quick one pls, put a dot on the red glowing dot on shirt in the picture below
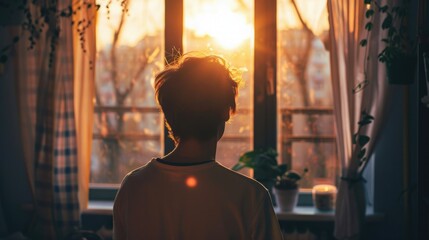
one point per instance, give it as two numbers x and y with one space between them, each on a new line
191 182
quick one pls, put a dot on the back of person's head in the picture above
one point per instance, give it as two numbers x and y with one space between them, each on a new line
197 94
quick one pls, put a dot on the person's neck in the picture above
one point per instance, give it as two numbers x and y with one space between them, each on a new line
192 151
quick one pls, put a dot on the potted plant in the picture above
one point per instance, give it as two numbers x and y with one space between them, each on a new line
399 52
268 172
286 189
265 166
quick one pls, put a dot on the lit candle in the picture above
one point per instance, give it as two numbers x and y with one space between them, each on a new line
324 197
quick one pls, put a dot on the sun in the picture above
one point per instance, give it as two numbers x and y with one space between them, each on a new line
229 29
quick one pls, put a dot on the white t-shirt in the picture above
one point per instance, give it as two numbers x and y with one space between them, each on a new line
205 201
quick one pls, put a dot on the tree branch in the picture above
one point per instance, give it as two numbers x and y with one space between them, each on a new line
116 35
304 24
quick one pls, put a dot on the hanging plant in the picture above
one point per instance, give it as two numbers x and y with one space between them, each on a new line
360 140
399 52
39 16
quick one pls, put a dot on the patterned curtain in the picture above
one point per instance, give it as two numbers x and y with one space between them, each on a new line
56 183
47 90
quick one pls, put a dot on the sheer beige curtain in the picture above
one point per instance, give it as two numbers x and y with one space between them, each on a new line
347 23
84 77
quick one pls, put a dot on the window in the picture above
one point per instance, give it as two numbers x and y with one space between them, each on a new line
285 101
226 28
127 122
306 134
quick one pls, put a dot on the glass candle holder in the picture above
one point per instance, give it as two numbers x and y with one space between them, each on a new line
324 197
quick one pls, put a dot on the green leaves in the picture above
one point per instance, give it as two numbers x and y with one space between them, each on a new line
364 122
238 166
369 13
394 21
384 8
365 119
360 86
361 140
264 162
387 22
293 175
282 168
361 153
368 26
5 49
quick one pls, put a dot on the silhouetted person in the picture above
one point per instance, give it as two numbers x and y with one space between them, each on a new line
187 194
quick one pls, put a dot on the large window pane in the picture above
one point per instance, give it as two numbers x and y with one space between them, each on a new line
127 126
131 154
226 28
304 96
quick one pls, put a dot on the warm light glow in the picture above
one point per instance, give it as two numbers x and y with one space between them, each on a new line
324 188
191 182
142 18
324 197
313 12
228 26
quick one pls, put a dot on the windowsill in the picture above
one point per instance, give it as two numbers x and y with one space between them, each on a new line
99 207
300 213
310 213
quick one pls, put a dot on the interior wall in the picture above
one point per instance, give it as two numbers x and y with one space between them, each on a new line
389 187
414 158
388 173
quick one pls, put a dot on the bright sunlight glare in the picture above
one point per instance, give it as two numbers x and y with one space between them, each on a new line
227 27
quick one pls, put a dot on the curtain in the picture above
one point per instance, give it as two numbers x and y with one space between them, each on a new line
56 186
84 64
55 85
347 21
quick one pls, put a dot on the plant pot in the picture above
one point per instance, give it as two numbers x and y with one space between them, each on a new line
286 199
401 69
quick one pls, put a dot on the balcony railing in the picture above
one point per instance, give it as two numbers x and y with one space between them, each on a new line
139 136
288 137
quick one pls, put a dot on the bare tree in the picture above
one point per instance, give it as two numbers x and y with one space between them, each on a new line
299 64
120 77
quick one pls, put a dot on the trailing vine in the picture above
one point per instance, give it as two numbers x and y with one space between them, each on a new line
397 43
39 16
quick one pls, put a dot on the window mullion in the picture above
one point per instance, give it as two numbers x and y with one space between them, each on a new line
265 53
173 45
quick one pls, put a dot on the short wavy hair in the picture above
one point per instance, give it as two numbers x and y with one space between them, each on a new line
196 95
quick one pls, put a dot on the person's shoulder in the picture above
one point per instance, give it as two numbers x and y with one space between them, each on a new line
137 173
236 178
